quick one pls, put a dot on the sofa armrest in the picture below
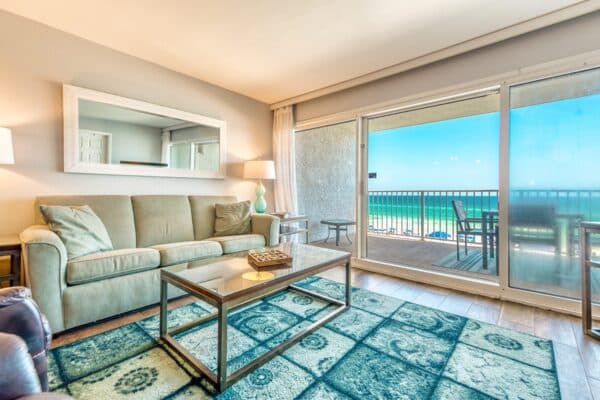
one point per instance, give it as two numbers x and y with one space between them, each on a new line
45 262
20 315
17 373
268 226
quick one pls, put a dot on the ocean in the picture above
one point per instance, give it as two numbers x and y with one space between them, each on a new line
412 213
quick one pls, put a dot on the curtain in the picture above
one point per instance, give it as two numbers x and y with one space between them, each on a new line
284 155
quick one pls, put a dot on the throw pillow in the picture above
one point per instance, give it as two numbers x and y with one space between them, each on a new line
79 228
233 218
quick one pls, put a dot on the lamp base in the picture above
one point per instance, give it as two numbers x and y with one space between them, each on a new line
260 206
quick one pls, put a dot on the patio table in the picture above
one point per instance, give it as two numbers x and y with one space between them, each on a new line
337 225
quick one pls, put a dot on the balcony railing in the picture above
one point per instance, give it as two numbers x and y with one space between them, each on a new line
428 214
424 213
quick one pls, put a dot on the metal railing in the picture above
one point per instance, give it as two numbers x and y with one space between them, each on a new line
425 213
584 202
428 214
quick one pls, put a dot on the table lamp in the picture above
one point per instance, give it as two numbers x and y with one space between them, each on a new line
6 148
260 170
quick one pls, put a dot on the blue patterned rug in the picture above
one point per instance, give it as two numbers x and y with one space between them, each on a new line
382 348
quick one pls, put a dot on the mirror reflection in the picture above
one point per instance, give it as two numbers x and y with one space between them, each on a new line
110 134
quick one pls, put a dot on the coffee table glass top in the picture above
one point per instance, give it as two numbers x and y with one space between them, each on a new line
231 274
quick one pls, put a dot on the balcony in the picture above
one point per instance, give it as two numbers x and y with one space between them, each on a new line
423 227
418 228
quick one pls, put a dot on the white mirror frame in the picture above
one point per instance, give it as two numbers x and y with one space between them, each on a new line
71 97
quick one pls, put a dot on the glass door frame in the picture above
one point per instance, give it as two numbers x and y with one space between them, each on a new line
473 284
500 288
448 100
538 299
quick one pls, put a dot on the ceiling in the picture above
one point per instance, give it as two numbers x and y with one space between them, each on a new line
272 50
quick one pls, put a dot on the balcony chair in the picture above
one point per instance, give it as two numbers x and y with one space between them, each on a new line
463 227
540 223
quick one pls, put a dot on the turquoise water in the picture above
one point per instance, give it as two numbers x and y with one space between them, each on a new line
400 212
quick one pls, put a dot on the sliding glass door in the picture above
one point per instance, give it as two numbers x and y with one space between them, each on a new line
554 153
491 184
433 186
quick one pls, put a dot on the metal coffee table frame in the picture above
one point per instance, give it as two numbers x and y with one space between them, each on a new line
225 304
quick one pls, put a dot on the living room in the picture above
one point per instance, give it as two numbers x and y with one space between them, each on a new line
298 200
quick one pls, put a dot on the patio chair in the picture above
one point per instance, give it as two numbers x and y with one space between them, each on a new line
541 223
463 227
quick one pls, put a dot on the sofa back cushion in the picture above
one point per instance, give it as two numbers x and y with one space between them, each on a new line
233 218
203 214
115 212
79 228
162 219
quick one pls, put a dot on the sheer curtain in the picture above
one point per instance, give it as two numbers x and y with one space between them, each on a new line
285 160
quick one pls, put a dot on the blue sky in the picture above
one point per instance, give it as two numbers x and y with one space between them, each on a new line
556 145
460 153
552 145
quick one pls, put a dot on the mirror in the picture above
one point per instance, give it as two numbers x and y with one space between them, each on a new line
109 134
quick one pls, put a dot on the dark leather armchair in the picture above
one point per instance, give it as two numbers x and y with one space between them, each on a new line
24 340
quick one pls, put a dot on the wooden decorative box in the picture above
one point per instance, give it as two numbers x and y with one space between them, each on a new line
267 258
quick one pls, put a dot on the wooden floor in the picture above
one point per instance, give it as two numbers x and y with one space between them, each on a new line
535 267
405 251
577 355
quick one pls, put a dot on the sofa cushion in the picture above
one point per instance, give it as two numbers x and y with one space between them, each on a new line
94 301
176 253
115 212
79 228
108 264
235 243
233 218
203 214
162 219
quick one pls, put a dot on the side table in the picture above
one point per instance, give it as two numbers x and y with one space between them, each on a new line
10 245
286 230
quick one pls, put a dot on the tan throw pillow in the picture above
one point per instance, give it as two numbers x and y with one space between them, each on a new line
233 218
79 228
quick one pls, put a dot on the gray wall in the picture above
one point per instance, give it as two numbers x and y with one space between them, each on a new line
36 60
566 39
130 142
325 170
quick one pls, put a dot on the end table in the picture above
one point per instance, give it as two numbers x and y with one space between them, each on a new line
286 230
10 245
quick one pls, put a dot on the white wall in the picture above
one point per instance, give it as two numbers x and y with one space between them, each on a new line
563 40
36 60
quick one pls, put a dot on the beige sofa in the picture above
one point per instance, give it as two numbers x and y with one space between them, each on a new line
148 233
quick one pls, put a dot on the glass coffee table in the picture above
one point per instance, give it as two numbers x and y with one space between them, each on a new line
229 282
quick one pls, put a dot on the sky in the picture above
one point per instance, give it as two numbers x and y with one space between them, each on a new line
552 146
460 153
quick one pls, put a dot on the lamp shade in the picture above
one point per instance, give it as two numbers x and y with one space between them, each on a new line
259 170
6 147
